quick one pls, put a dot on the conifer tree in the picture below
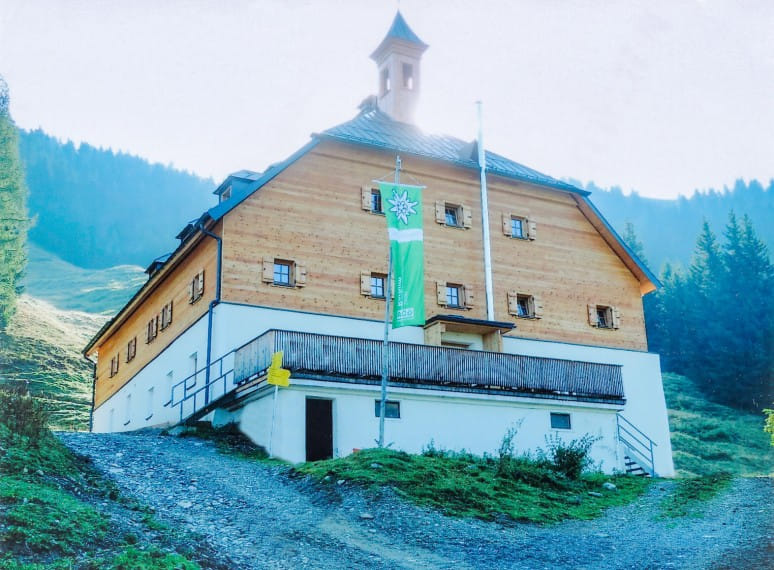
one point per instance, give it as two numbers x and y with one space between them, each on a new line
13 212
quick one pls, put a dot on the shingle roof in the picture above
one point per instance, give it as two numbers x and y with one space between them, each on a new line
375 128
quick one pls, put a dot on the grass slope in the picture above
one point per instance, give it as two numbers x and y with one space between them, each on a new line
41 348
469 486
72 288
709 437
54 508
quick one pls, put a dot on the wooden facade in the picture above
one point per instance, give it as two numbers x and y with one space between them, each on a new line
313 214
169 289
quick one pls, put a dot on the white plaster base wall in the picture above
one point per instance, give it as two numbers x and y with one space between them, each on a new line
643 387
134 406
473 422
235 325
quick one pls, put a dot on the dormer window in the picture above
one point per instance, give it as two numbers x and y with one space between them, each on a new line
408 76
385 81
226 194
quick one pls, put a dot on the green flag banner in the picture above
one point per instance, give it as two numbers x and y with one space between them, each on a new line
402 205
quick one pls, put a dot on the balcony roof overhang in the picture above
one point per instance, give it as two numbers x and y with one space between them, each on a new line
458 323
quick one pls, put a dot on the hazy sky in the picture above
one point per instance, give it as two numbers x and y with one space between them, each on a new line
660 96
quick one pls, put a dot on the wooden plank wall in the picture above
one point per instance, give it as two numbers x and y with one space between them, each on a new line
311 213
173 287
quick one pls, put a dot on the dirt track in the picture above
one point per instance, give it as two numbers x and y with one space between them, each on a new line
254 516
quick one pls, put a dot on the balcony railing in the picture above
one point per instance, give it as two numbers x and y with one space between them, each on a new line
340 358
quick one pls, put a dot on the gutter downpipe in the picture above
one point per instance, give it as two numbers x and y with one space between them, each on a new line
213 304
93 391
485 217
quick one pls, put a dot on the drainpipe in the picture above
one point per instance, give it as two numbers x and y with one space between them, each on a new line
93 391
213 303
485 217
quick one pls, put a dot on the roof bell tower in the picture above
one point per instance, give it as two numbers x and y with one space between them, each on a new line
398 58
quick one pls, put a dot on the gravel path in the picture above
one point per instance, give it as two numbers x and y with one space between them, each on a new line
253 515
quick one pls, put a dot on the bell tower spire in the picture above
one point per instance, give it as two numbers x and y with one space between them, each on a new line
397 59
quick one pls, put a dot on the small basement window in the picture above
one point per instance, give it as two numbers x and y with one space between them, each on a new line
560 421
391 409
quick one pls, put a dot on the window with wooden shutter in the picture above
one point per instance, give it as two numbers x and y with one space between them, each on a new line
440 211
469 297
537 307
467 216
131 349
114 364
440 291
531 228
593 315
365 198
200 284
196 287
616 314
300 275
166 315
152 329
513 303
267 273
192 290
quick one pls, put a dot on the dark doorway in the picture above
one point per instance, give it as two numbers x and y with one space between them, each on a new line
319 429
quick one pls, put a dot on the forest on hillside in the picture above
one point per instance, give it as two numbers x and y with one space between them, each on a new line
96 208
668 228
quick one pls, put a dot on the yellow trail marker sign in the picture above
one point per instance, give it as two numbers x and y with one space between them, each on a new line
278 376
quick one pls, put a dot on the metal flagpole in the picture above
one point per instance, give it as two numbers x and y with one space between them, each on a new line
485 218
385 347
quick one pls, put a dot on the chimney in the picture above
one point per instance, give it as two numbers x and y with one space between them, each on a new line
397 59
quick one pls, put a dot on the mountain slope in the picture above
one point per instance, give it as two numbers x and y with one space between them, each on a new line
41 348
95 208
72 288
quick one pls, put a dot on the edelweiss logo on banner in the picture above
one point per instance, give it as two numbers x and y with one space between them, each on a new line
402 207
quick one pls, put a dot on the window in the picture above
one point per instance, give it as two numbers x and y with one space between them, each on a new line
149 414
377 285
391 409
408 76
371 200
376 202
519 226
560 421
283 273
385 81
114 365
131 349
454 295
166 315
196 287
524 306
604 316
152 329
452 215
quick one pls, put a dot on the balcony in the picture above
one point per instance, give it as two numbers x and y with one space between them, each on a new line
356 360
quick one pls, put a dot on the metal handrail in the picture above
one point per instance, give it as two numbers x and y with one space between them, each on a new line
645 449
195 375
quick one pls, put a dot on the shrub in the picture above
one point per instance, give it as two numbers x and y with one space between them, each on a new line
769 425
569 459
23 415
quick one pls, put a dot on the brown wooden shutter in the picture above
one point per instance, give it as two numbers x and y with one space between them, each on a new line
440 211
506 223
200 284
531 228
365 283
169 313
268 270
191 290
616 317
440 291
467 217
365 198
470 296
537 307
513 303
593 319
300 275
